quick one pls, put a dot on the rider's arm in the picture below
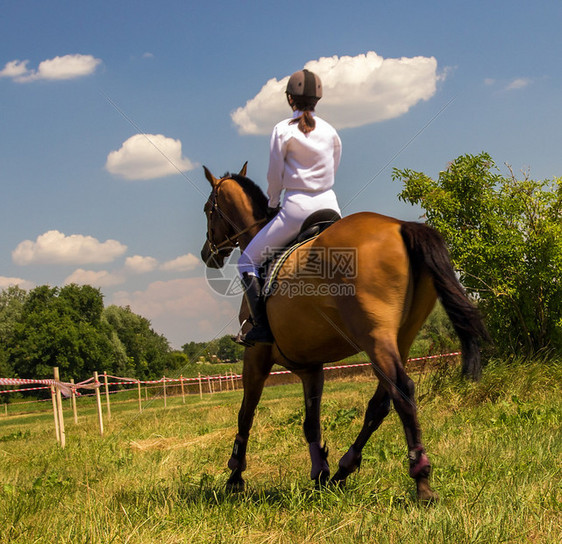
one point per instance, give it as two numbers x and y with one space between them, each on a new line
276 169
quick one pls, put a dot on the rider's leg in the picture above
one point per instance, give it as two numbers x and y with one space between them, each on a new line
260 332
276 234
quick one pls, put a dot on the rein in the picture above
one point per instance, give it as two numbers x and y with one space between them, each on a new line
230 242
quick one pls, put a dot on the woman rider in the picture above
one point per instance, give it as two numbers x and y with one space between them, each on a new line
305 153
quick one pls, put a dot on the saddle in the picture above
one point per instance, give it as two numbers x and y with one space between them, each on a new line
313 225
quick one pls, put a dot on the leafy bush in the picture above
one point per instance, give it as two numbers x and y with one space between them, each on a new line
505 239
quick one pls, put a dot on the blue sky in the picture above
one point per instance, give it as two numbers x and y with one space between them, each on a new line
120 79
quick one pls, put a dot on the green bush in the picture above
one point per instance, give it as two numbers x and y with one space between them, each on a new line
505 240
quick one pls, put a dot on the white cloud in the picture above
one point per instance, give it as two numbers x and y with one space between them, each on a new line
15 69
186 309
57 68
140 265
143 265
262 112
185 263
100 278
357 91
148 156
55 247
518 83
6 282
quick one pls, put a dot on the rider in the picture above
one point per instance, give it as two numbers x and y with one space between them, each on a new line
305 153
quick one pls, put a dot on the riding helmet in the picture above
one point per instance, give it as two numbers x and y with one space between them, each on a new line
304 83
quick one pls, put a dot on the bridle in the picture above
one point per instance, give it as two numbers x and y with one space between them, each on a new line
229 242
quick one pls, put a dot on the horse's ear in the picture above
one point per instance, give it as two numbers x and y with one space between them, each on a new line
212 179
244 168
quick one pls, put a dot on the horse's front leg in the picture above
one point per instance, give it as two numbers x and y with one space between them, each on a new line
313 385
257 366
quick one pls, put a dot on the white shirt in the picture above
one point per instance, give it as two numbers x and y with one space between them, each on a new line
302 162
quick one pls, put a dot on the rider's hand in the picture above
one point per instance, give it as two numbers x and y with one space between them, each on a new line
272 212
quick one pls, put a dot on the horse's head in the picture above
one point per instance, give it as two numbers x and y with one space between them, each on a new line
222 231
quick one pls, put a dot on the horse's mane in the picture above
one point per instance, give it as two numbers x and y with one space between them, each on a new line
253 191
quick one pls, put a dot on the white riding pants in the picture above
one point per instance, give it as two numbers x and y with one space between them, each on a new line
284 227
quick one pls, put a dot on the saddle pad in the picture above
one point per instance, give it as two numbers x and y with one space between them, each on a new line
275 266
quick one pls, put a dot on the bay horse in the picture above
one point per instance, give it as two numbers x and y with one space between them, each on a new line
399 270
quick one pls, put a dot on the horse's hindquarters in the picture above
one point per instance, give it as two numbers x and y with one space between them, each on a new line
336 293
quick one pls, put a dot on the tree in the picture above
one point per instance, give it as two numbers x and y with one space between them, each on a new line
223 348
194 350
84 303
176 364
227 350
68 327
505 239
11 304
61 327
147 351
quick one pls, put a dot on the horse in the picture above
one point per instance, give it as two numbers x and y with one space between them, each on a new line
374 302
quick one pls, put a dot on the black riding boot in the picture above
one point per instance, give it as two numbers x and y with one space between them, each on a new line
259 333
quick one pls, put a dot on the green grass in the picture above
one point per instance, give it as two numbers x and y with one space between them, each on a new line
159 476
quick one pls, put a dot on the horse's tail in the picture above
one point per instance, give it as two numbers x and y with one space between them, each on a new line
427 249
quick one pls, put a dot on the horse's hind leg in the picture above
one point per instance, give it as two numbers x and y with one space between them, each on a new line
401 389
377 410
422 305
257 366
395 385
313 384
405 404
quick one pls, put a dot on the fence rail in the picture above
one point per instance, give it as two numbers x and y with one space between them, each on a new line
183 386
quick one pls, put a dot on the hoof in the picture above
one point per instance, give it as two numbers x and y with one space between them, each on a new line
425 493
235 483
339 479
428 497
320 470
348 464
322 480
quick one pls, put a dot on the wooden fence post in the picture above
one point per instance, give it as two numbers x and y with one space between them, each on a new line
107 396
55 413
74 411
200 387
59 409
98 401
140 395
164 382
182 389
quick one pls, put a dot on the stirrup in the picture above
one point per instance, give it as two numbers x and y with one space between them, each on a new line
256 336
240 338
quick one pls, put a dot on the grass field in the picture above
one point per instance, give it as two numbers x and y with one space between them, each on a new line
159 476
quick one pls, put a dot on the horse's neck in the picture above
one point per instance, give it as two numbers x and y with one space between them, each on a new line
251 228
246 217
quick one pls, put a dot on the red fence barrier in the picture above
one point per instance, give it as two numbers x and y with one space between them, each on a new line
57 387
67 388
